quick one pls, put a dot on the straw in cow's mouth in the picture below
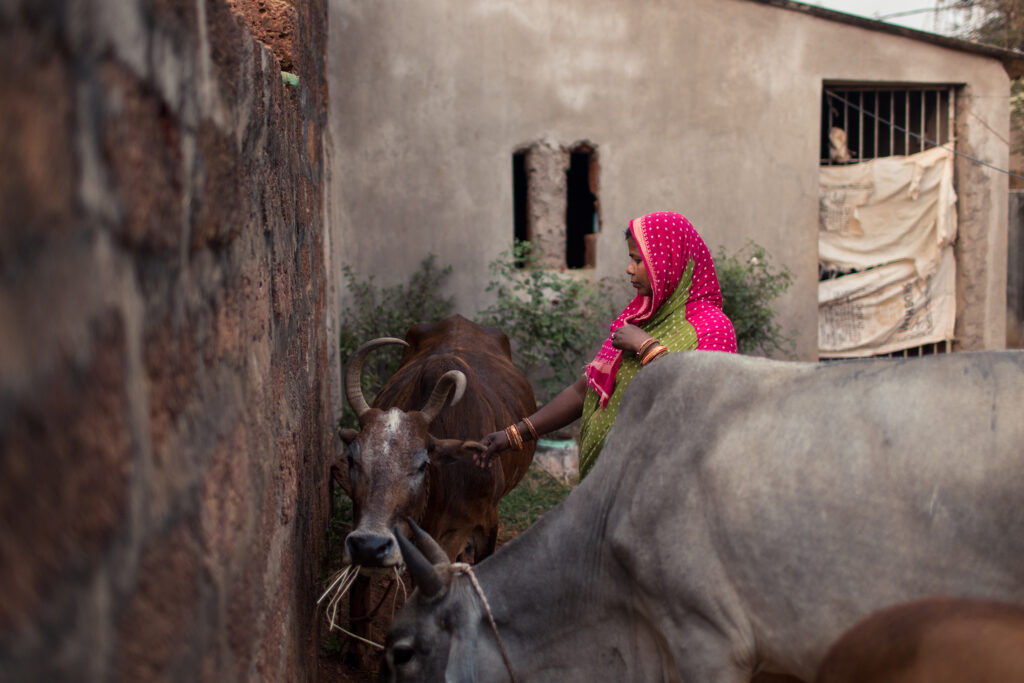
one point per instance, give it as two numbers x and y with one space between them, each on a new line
340 583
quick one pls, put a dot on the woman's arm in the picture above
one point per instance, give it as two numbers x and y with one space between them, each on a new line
560 411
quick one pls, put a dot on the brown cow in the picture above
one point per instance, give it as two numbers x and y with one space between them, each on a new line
939 640
411 461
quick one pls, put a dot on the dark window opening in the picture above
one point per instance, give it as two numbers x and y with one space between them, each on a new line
519 196
580 210
519 201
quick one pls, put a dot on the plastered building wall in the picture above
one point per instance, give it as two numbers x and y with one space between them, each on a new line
707 107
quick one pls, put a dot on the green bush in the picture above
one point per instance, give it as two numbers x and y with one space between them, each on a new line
556 321
750 284
389 312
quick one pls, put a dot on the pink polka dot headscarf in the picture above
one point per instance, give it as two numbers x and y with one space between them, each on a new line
667 242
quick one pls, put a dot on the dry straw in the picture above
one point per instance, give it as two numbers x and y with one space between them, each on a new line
338 586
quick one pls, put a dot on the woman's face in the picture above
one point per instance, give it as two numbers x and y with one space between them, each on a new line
637 270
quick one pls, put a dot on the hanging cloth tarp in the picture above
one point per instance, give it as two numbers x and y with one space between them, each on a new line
892 221
886 309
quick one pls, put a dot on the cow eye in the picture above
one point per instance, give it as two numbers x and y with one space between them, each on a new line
351 454
402 654
422 459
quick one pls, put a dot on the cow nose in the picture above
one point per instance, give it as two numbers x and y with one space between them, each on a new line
369 551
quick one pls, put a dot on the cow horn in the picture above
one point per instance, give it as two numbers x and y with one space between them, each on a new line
427 544
440 395
353 389
426 576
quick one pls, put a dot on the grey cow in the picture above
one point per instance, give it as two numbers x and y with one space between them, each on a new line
743 514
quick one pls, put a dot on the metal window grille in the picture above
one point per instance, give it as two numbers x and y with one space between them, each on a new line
880 122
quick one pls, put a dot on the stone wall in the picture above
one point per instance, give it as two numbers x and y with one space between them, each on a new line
167 379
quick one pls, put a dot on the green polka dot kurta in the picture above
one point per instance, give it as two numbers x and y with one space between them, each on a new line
670 327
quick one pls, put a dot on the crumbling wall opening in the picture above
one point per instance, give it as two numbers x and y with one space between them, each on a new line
555 202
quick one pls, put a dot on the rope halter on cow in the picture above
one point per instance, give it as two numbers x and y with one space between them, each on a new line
463 568
421 558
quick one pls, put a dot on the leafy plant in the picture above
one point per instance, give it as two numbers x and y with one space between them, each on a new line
389 312
555 320
750 284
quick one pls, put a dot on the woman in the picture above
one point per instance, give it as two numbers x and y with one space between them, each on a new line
678 307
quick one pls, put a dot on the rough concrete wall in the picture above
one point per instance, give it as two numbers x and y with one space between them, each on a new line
1015 274
708 107
165 410
980 247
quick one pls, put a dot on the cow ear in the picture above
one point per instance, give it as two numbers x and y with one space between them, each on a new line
348 435
445 451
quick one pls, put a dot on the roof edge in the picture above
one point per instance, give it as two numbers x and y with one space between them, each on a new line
1012 61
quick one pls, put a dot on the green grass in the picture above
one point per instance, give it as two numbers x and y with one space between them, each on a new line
537 493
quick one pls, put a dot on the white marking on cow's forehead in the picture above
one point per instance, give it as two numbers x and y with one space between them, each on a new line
393 418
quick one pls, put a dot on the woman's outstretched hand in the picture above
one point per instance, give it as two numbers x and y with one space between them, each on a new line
494 443
629 338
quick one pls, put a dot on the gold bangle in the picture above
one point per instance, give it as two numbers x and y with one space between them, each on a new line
645 358
646 345
533 430
514 437
655 352
655 356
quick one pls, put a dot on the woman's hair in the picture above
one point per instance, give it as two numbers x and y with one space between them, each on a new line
629 235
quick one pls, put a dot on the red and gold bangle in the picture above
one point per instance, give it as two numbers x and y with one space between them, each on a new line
654 354
515 439
646 345
655 351
519 437
533 430
509 437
